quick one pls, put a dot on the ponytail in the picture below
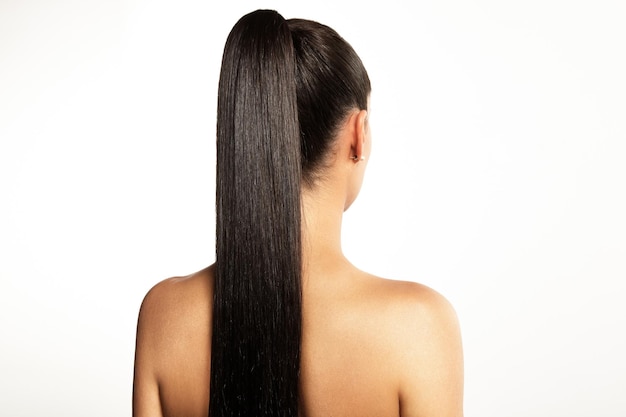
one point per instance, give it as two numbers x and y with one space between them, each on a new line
257 320
285 87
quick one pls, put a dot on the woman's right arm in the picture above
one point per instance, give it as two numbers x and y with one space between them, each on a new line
431 382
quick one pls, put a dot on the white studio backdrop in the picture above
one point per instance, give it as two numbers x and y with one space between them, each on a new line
497 177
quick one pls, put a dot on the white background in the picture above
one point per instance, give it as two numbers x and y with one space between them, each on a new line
498 177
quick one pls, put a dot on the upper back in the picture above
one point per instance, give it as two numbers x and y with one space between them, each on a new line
370 347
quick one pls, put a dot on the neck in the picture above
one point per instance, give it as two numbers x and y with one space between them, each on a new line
322 213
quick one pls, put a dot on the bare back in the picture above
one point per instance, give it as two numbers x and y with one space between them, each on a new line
370 347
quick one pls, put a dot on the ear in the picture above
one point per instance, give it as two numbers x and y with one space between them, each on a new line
359 129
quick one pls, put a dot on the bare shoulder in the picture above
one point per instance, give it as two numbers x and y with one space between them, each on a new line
412 293
419 307
174 308
173 330
174 295
174 303
425 331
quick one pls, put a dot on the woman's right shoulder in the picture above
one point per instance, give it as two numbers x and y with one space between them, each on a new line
416 304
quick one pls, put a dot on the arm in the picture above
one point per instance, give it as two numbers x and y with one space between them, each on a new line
431 383
172 358
146 401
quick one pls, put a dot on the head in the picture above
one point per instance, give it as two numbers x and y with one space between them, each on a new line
331 85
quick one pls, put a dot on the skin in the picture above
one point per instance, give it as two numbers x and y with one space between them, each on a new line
370 346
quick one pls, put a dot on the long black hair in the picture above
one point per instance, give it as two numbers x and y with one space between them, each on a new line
284 88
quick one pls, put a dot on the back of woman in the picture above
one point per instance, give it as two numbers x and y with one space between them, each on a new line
282 324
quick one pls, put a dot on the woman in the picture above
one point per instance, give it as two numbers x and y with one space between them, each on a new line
282 324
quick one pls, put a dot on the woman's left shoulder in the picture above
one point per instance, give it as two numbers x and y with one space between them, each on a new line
174 301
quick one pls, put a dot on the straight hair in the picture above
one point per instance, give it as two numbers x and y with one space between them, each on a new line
284 87
255 351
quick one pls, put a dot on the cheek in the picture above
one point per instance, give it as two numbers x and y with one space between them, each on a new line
355 183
